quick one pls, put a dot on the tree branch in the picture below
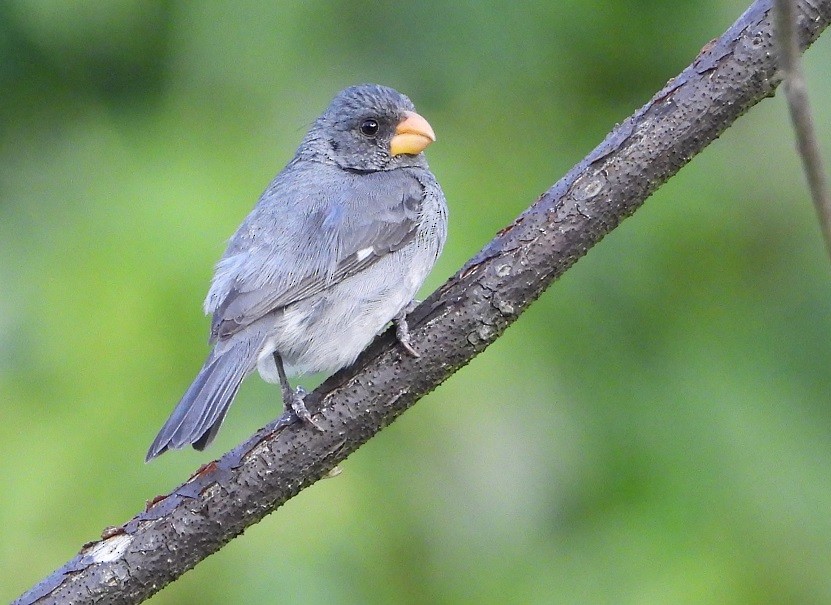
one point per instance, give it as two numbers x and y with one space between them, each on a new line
456 323
796 91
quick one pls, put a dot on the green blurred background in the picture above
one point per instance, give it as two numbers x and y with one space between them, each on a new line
656 429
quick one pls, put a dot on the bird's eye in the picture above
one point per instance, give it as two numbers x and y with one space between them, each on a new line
369 127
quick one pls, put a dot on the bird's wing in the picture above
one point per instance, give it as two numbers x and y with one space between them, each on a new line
295 245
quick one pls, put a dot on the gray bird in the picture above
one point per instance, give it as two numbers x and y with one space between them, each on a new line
334 250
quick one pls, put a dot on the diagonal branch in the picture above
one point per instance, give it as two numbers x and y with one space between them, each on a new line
796 91
456 323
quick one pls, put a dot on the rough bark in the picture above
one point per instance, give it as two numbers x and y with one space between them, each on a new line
456 323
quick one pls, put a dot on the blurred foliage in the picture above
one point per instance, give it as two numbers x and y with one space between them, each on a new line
656 429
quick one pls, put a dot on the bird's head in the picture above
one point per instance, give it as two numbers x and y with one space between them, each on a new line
369 128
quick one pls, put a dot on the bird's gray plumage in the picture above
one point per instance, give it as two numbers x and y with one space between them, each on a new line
338 244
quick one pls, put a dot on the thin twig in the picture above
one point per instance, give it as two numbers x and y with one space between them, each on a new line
796 92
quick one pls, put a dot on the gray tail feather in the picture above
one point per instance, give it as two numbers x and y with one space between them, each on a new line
197 417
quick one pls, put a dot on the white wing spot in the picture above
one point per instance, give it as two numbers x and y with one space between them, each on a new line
362 254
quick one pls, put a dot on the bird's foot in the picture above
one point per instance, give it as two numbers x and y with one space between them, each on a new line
293 400
402 329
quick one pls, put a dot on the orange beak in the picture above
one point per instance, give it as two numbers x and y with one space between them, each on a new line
412 135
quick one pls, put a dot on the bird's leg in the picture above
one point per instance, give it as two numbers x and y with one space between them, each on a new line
293 399
402 330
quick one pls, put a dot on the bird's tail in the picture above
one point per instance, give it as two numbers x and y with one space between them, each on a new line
198 416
